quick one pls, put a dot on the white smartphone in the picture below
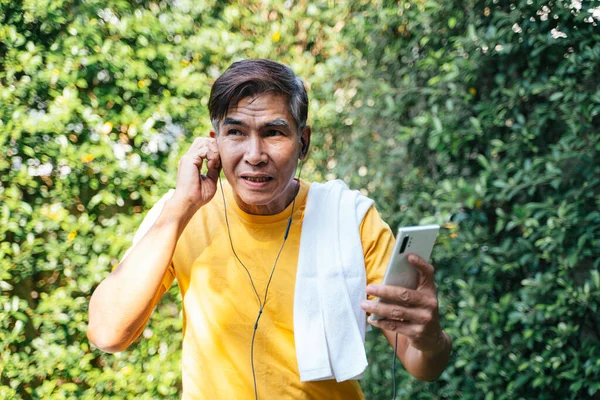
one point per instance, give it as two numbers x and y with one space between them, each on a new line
410 240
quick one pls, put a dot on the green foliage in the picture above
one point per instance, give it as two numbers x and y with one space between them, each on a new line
483 117
478 115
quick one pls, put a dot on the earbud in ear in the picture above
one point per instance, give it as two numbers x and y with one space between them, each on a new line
304 147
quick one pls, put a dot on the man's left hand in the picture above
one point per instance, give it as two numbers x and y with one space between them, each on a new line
412 313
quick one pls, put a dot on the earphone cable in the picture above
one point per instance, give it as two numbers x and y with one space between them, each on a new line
394 368
262 303
287 230
233 249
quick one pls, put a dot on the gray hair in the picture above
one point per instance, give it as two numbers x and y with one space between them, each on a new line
253 77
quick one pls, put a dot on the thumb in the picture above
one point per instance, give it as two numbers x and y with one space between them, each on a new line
213 165
426 271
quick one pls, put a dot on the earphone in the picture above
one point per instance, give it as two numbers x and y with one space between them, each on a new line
262 302
304 147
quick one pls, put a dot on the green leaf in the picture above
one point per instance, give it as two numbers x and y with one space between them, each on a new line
69 387
595 275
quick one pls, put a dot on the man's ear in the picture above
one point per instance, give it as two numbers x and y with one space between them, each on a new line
213 134
305 141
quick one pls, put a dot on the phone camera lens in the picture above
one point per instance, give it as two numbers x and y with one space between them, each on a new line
404 244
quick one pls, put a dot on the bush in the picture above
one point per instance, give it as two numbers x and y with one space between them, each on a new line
480 116
99 100
483 117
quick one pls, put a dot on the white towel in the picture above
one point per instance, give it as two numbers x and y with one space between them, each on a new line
329 325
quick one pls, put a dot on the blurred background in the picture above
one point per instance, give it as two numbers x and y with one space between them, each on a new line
481 116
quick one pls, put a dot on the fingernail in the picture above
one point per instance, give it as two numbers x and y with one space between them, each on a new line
364 303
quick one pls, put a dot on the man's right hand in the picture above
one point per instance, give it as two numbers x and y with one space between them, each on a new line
194 189
123 302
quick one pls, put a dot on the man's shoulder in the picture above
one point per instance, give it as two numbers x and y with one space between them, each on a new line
334 186
336 195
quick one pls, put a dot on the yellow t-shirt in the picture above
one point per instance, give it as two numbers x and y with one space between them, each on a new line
220 306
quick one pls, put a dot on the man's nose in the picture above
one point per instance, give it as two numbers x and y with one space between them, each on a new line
255 151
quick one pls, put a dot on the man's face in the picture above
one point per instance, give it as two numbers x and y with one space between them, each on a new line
259 148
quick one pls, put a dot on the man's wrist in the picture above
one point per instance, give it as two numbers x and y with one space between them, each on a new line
175 212
441 345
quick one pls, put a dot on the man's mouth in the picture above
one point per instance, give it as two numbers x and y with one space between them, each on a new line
257 178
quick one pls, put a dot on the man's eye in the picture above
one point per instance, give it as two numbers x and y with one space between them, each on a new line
234 132
274 132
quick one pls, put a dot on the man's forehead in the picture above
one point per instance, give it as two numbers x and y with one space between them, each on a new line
273 107
261 100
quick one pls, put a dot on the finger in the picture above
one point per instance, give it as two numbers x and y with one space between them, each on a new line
213 157
396 312
203 152
191 159
198 143
404 296
423 266
214 169
403 327
214 165
199 154
212 143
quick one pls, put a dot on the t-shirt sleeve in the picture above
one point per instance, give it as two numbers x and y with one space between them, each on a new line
378 243
145 226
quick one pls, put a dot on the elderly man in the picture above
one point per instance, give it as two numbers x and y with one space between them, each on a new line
275 294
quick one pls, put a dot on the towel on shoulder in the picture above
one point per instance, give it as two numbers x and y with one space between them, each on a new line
329 325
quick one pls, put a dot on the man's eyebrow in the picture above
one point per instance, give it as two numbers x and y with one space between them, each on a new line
279 122
231 121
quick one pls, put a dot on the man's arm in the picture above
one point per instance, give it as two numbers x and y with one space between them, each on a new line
426 366
423 347
123 302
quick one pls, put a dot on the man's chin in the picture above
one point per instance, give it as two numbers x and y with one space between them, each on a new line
257 199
